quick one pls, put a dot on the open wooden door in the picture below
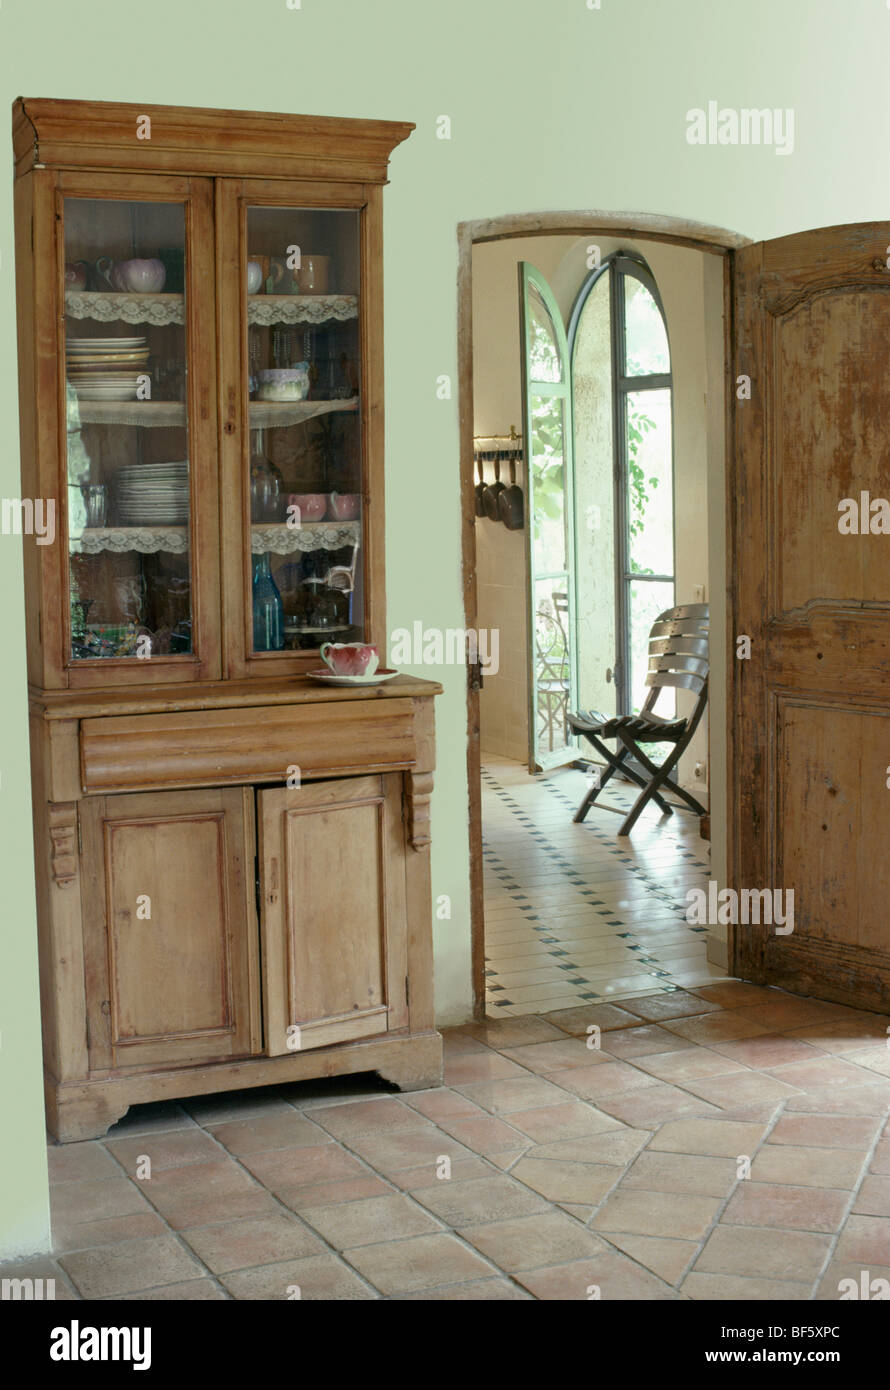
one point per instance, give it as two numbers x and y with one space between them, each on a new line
810 803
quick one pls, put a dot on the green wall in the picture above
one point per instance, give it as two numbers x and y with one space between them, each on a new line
553 106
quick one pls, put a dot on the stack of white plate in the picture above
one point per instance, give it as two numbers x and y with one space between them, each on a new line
106 369
153 494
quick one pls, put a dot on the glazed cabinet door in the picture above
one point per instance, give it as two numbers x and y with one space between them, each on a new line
333 912
299 299
119 426
170 933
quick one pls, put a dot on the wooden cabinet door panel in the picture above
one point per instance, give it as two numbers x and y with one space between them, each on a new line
809 807
170 928
333 911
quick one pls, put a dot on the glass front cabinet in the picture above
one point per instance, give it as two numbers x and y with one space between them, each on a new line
232 855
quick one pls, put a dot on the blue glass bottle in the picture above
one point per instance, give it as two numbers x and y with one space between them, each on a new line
268 613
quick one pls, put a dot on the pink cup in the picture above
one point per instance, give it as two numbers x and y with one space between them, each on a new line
312 505
350 658
344 506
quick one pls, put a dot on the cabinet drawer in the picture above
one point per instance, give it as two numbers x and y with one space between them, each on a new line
213 747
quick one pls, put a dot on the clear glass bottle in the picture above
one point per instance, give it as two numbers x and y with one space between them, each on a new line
268 612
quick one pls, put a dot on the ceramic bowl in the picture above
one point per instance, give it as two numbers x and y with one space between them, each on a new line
312 505
344 506
140 276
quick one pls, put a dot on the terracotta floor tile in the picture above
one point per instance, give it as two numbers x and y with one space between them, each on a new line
880 1159
441 1104
169 1150
709 1029
402 1266
279 1129
734 993
253 1241
368 1222
198 1193
807 1167
720 1138
475 1290
873 1198
522 1093
480 1066
410 1148
196 1290
566 1181
655 1105
780 1015
505 1158
608 1276
615 1148
287 1168
678 1004
573 1120
692 1063
318 1194
531 1241
236 1105
824 1073
485 1135
81 1235
458 1042
874 1059
825 1131
768 1050
74 1202
764 1254
741 1088
319 1277
87 1162
546 1058
865 1238
671 1172
784 1205
870 1099
607 1078
666 1258
726 1288
346 1122
130 1265
603 1016
645 1213
481 1199
647 1040
462 1170
844 1034
515 1032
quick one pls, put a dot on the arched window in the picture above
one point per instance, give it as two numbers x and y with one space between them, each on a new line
624 488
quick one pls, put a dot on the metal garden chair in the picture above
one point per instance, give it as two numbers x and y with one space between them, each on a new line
678 659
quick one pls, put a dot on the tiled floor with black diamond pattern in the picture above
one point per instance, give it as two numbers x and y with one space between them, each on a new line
575 914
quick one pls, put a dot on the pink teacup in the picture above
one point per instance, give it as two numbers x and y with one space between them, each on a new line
311 505
344 506
350 658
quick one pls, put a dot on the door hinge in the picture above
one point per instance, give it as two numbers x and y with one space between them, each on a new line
474 675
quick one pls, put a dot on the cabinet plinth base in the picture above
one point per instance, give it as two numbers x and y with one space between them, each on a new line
87 1109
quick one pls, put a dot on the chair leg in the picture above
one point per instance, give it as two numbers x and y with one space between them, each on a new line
660 775
613 761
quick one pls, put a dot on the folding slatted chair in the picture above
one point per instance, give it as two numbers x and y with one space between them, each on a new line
678 658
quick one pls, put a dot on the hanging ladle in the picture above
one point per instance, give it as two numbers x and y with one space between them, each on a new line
493 491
